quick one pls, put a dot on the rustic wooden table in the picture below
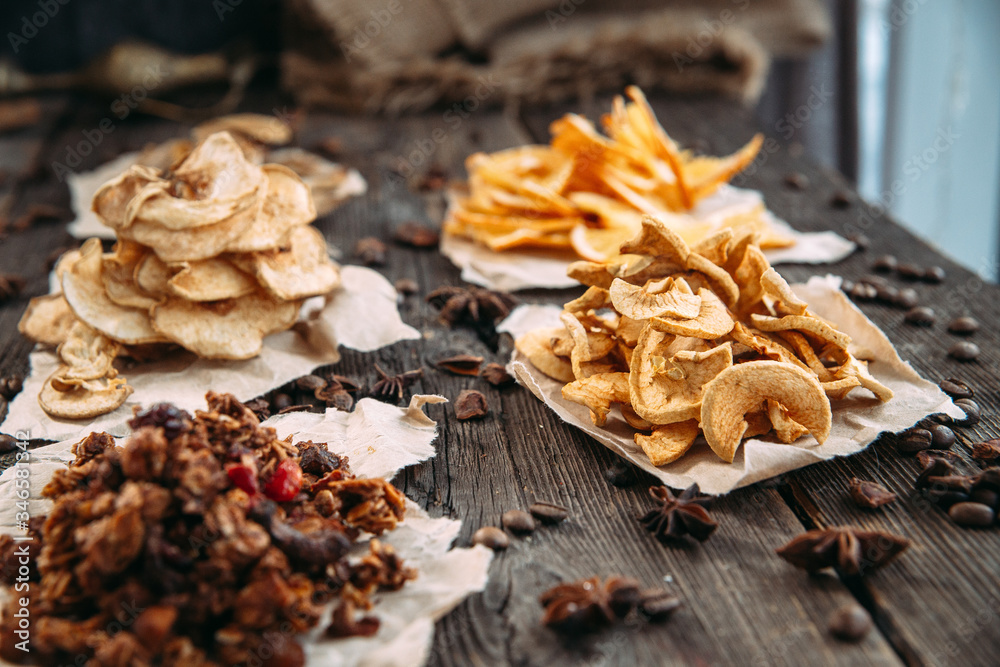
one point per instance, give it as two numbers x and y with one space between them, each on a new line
938 604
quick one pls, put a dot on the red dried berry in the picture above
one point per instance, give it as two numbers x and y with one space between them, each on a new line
243 477
285 483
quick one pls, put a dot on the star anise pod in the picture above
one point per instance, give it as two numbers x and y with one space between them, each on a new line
474 307
389 388
852 551
677 516
588 604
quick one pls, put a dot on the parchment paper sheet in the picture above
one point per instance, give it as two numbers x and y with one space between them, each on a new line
857 420
379 439
362 316
511 271
83 186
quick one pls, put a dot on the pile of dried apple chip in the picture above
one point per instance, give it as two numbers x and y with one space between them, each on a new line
696 340
212 255
587 192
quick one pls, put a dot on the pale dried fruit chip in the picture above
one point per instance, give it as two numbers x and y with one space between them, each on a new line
785 301
84 290
259 127
805 352
715 248
668 442
642 303
87 354
213 279
48 319
765 346
152 275
628 330
189 245
164 157
802 323
302 270
590 348
594 298
591 274
286 205
664 391
111 201
231 329
598 392
633 419
330 184
713 320
741 388
118 271
537 347
83 401
859 369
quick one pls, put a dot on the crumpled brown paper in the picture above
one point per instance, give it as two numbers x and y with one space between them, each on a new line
513 270
857 420
361 315
380 439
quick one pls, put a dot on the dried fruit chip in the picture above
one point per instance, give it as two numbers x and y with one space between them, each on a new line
285 206
806 323
302 270
48 319
84 400
598 392
668 442
648 301
329 183
259 127
741 388
713 320
537 347
213 279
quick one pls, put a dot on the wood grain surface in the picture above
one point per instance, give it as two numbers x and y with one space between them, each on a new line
938 604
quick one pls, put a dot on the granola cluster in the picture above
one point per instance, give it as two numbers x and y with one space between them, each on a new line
205 540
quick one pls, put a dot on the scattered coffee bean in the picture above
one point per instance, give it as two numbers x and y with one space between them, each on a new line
934 275
549 513
796 180
861 241
972 515
874 280
907 298
491 537
11 386
846 286
850 623
407 286
517 521
910 272
963 326
844 199
657 604
496 375
471 404
986 452
972 412
987 497
914 440
885 264
863 292
870 495
8 443
964 351
415 234
460 364
956 388
311 383
921 316
621 474
370 251
281 401
942 437
887 293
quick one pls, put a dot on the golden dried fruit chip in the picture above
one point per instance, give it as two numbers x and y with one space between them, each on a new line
83 401
48 319
668 442
537 347
801 323
213 279
598 392
740 389
713 320
641 303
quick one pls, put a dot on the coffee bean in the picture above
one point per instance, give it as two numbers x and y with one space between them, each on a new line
863 292
657 604
987 497
963 326
885 264
942 437
964 351
914 440
846 286
621 474
8 443
874 280
972 515
956 388
310 383
844 199
491 537
796 181
850 623
517 521
861 241
907 298
281 401
972 412
549 513
934 275
910 272
887 293
11 386
921 316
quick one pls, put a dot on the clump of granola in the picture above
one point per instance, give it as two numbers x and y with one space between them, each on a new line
215 540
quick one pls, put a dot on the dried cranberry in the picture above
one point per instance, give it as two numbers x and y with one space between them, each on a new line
285 483
172 419
243 477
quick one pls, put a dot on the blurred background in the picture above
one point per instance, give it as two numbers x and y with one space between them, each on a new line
901 96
